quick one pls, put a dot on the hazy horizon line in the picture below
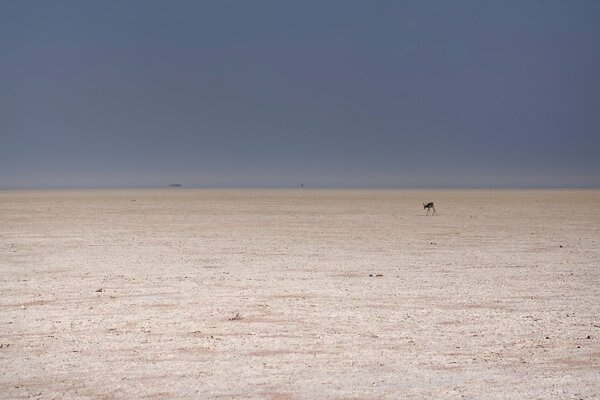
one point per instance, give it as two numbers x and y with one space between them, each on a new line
305 187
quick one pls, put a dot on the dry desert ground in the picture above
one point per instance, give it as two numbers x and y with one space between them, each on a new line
300 294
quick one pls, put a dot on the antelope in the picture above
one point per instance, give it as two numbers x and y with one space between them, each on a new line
429 206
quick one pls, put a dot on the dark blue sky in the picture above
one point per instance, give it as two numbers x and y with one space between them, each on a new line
278 93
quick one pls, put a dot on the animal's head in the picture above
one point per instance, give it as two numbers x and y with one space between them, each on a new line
424 205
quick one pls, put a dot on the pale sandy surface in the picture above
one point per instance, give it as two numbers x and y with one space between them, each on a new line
480 301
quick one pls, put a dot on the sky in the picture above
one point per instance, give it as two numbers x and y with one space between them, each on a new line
282 93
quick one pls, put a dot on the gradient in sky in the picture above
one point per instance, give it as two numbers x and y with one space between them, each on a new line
279 93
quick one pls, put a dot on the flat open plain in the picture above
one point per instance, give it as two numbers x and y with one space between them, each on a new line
134 293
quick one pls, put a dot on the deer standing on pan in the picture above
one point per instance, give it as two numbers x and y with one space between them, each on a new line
429 206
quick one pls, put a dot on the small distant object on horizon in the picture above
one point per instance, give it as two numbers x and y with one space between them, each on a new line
302 186
175 185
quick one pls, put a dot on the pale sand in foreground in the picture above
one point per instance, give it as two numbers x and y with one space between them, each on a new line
130 294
